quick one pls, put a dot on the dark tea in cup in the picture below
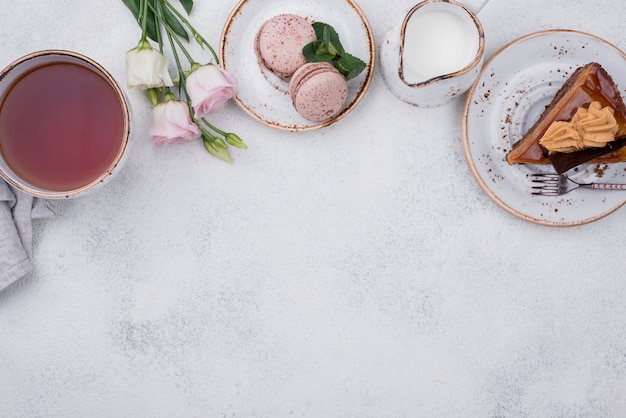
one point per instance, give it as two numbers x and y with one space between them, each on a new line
64 124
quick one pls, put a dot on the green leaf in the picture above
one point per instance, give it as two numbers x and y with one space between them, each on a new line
151 26
321 48
174 23
332 50
151 23
309 52
134 7
328 34
328 48
319 29
187 4
316 52
349 65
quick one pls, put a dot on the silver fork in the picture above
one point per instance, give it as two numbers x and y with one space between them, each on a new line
559 184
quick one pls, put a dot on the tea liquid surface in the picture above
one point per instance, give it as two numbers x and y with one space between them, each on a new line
61 126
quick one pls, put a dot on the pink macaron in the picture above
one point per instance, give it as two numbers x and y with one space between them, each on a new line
279 42
318 91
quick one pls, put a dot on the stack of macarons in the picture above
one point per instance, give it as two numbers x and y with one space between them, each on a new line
318 91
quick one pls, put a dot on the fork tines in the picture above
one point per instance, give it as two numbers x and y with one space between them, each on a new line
540 177
546 191
546 184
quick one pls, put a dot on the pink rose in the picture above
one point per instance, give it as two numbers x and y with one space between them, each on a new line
171 123
209 87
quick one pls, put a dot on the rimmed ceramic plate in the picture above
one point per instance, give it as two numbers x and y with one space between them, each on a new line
511 92
265 96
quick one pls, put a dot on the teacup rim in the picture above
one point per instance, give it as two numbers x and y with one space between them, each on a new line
23 186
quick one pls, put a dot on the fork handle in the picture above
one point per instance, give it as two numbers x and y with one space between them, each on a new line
606 186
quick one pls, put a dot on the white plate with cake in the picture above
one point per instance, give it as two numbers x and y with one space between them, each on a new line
517 88
263 94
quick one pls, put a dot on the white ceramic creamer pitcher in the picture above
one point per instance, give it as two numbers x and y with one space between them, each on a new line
434 51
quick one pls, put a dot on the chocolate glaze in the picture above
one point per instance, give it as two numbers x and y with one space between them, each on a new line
563 161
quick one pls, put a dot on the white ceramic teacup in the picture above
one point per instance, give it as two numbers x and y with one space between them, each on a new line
64 124
434 51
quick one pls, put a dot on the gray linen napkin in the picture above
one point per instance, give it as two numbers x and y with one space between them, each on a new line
17 210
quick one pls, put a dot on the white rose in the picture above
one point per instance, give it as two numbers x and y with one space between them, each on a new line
146 67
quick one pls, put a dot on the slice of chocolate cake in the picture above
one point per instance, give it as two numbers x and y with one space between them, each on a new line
590 83
563 161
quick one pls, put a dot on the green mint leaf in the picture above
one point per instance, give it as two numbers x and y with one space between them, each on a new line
321 48
319 29
316 52
328 48
349 65
187 5
332 50
174 23
327 33
309 52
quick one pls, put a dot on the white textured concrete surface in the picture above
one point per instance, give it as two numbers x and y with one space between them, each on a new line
350 272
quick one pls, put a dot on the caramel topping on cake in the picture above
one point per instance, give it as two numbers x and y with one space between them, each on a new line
590 83
591 127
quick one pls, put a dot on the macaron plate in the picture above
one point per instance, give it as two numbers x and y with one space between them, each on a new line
265 96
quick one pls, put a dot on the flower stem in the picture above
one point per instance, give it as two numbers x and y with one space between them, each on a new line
195 33
172 35
143 9
181 73
158 34
219 131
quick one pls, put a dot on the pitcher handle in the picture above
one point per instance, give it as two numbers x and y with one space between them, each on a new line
474 5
